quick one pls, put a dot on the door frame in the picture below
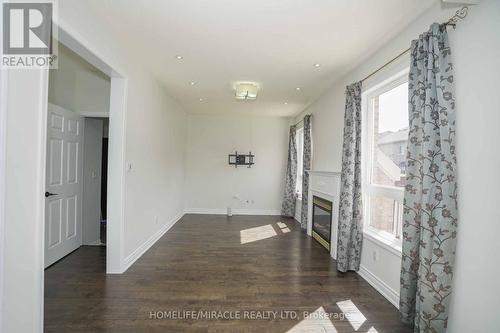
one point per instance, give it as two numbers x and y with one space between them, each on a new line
3 136
3 117
117 141
33 309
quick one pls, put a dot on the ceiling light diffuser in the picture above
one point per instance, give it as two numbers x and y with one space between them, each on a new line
178 57
317 65
246 90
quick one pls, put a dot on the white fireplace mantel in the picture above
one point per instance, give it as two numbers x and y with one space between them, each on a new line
326 185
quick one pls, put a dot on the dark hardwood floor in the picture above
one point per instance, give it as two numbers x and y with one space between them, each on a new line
249 266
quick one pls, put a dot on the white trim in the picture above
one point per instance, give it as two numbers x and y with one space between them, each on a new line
41 170
392 245
368 189
3 135
130 259
390 294
116 176
3 118
94 114
324 173
235 211
78 44
117 143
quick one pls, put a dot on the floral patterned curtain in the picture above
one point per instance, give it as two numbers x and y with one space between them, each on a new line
289 196
430 199
306 165
350 226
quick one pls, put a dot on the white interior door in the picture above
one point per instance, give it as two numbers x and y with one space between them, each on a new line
64 186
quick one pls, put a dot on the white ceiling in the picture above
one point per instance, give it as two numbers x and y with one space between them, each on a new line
273 42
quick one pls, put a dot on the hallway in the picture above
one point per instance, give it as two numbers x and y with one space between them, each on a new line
249 266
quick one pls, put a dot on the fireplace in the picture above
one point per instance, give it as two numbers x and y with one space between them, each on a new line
322 221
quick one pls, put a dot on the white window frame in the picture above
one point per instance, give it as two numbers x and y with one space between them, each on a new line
388 240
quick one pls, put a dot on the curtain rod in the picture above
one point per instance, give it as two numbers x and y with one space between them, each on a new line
301 120
459 15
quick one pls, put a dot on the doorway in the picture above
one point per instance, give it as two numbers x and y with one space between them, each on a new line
95 181
25 145
77 123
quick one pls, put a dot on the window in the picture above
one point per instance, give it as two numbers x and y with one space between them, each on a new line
299 140
385 137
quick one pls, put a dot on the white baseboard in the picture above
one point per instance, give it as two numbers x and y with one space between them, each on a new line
235 211
148 243
390 294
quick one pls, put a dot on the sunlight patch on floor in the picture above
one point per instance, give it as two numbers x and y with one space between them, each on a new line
317 321
355 317
283 227
256 234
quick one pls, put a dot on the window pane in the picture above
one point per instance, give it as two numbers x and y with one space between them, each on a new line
390 139
384 214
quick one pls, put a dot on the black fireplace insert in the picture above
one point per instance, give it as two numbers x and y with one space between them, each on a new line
322 221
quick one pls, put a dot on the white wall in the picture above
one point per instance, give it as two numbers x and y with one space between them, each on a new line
78 86
155 146
212 184
476 53
476 50
22 275
155 133
92 159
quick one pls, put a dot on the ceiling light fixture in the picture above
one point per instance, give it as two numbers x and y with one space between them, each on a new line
246 90
286 103
192 83
298 88
201 99
178 57
317 65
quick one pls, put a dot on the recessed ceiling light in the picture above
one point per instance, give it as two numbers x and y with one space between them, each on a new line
298 88
178 57
286 103
317 65
201 99
192 83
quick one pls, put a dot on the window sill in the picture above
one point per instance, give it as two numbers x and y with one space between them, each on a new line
392 245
